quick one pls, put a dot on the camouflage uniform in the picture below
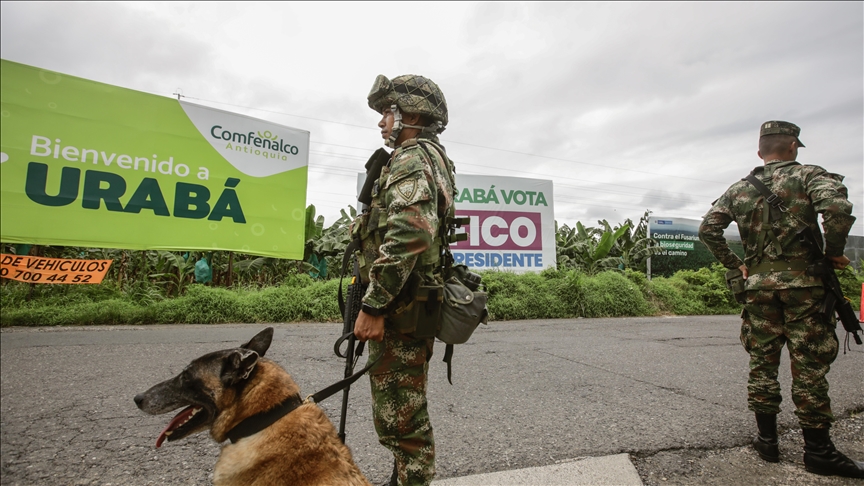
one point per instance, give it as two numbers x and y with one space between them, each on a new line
782 306
399 237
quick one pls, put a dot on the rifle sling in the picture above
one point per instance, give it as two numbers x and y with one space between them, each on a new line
337 348
448 358
773 211
771 198
445 242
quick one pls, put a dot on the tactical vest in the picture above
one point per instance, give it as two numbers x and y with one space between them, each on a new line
439 299
773 209
372 226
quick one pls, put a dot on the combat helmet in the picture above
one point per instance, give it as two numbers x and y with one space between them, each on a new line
409 93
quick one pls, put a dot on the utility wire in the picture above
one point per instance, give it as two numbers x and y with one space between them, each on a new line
560 196
556 177
605 166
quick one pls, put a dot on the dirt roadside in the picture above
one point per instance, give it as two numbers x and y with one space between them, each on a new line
742 466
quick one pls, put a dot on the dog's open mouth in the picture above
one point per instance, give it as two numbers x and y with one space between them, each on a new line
182 424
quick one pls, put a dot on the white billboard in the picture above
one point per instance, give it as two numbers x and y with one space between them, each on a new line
512 223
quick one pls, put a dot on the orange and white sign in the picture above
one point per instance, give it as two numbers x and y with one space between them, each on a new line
41 270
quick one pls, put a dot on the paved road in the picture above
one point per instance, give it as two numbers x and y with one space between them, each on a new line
670 392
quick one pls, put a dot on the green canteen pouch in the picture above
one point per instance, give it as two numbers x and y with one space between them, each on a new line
736 283
419 317
462 312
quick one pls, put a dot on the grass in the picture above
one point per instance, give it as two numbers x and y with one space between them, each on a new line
551 294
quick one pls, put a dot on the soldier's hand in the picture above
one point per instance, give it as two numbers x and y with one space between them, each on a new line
744 271
840 262
369 327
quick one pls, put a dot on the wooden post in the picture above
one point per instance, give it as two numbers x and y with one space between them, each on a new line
121 270
35 251
230 279
142 272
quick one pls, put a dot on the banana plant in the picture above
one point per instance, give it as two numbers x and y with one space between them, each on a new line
335 238
173 271
588 249
634 247
326 248
314 228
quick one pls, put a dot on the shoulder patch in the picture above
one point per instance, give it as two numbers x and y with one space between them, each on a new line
407 188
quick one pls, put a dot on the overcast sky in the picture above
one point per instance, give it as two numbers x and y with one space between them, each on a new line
627 107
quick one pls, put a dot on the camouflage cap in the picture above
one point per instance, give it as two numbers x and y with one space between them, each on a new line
411 93
775 127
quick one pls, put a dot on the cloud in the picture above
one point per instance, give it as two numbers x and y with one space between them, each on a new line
626 106
106 41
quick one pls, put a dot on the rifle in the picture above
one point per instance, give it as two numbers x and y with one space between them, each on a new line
834 299
351 309
351 304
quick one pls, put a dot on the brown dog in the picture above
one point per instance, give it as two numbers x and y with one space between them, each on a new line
276 439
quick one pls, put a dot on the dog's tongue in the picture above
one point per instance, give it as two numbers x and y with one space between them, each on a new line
177 421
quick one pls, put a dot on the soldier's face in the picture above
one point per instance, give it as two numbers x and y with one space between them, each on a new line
386 123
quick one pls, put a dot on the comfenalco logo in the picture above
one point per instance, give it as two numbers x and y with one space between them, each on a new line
267 144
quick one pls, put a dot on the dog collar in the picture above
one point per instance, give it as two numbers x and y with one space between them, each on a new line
258 422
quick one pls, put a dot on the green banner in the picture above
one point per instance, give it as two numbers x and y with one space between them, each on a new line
89 164
682 250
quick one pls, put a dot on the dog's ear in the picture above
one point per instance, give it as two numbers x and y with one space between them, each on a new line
261 342
238 366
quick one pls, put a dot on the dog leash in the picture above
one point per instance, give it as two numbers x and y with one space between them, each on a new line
339 385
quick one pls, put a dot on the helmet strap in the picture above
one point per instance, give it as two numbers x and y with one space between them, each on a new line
433 129
397 126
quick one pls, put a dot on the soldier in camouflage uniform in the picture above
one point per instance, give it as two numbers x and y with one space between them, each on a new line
782 302
400 249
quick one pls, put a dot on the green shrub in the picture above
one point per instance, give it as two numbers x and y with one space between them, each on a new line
203 305
107 312
562 294
611 294
851 282
15 294
524 296
320 302
693 292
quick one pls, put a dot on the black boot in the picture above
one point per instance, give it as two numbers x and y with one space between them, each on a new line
820 456
766 442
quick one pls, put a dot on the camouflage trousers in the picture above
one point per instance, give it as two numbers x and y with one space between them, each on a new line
399 404
772 318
